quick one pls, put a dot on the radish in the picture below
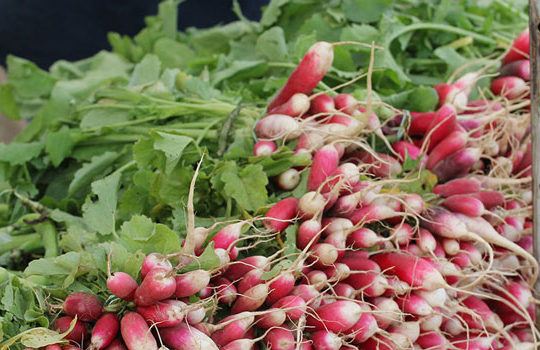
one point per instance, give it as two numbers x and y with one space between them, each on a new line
232 328
386 312
464 204
382 165
324 254
153 261
190 283
184 337
295 305
296 106
457 186
345 103
413 203
435 298
116 344
311 204
365 328
402 233
288 180
450 144
519 49
274 318
280 339
225 290
78 332
239 268
442 124
404 334
509 87
196 316
432 322
309 72
104 331
457 94
136 333
420 122
336 317
458 164
277 126
251 300
168 313
326 340
317 279
264 148
51 347
479 316
415 305
406 150
372 284
122 285
433 341
519 68
280 287
344 290
322 104
280 215
490 199
86 306
417 272
325 162
157 285
251 279
227 236
379 343
363 238
337 272
308 233
426 242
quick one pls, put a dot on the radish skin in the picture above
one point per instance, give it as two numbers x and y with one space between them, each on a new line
136 333
86 306
280 339
457 186
280 215
122 285
450 144
104 331
168 313
153 261
184 337
78 332
264 148
296 106
157 285
325 163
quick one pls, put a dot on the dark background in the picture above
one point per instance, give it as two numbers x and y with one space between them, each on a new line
46 31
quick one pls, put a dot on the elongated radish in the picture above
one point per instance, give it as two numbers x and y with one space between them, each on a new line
136 333
336 317
86 306
158 285
479 316
370 283
450 144
464 204
413 203
365 328
116 344
77 334
264 148
274 317
153 261
490 199
296 106
227 236
225 290
415 305
370 213
383 165
232 328
184 337
432 341
426 242
458 164
280 287
196 315
239 268
519 49
277 126
325 163
280 339
457 186
309 72
252 299
288 180
322 104
387 312
325 340
345 103
104 331
168 313
417 272
419 124
308 233
404 334
190 283
250 279
509 87
406 150
281 214
311 204
122 285
432 322
519 68
443 123
363 238
324 254
295 305
402 233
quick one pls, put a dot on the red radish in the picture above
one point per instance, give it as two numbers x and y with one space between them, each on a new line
417 272
365 328
308 232
404 334
370 213
450 246
225 290
122 285
280 339
250 279
464 204
509 87
311 204
457 186
372 284
383 165
432 341
280 287
406 150
519 49
78 332
386 312
233 327
309 141
223 256
336 317
325 340
104 331
415 305
295 305
274 318
490 199
443 123
136 333
296 106
196 316
279 217
336 225
426 241
227 236
325 163
277 126
86 306
152 261
157 285
431 323
324 254
413 203
344 290
309 72
450 144
240 344
70 347
402 233
190 283
468 342
184 337
288 180
349 172
379 343
519 68
168 313
239 268
479 316
337 272
264 148
322 104
457 164
251 300
116 344
346 103
420 122
363 238
457 94
52 347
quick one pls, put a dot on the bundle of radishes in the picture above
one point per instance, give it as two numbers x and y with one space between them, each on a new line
376 267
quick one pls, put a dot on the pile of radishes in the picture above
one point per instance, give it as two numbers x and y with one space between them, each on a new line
375 267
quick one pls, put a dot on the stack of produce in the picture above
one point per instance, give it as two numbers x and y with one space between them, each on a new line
150 210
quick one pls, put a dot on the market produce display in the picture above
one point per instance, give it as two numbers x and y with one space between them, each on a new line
353 175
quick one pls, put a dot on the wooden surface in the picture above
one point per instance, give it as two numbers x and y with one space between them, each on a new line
534 26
